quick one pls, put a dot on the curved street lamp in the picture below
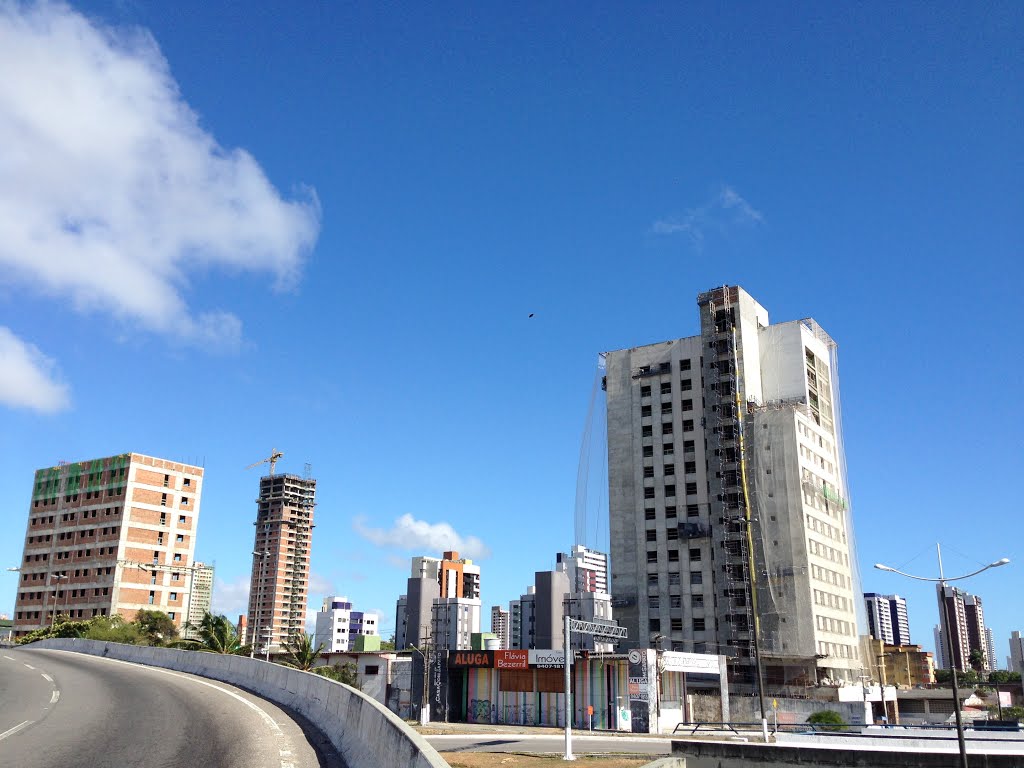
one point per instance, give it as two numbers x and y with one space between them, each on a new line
941 581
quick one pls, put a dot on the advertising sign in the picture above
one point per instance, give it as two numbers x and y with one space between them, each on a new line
547 659
640 687
511 659
697 663
471 659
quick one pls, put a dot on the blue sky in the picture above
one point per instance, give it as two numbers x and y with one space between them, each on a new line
323 227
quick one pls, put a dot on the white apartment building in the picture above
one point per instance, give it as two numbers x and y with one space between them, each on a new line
338 625
201 598
454 621
587 569
887 618
500 626
727 496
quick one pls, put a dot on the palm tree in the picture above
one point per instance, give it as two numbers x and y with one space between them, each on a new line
218 636
300 652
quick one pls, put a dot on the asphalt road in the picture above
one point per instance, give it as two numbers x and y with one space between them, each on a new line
64 710
549 744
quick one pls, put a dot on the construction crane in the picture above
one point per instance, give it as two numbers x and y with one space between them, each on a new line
271 460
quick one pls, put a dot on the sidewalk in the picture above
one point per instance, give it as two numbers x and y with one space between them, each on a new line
472 729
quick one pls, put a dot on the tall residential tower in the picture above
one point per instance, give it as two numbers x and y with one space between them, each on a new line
728 516
887 618
280 567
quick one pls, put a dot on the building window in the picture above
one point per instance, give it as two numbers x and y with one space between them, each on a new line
645 410
685 384
645 391
187 482
174 595
648 471
673 555
666 428
698 625
677 625
181 519
163 499
696 577
667 449
696 601
672 533
684 365
670 511
669 469
666 408
695 555
177 558
179 538
654 625
647 431
648 514
652 535
687 405
652 579
691 489
670 490
688 425
152 597
184 501
652 557
690 467
648 493
648 451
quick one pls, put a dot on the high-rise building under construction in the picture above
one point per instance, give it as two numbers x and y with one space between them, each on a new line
279 584
730 529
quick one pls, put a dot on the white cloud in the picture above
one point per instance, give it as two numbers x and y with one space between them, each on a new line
231 598
725 209
112 196
28 377
410 534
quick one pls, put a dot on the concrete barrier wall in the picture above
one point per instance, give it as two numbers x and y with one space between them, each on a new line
709 754
365 733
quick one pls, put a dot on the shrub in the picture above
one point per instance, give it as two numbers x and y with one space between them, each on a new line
827 719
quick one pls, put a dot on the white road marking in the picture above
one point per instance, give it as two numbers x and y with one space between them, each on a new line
30 666
9 658
47 677
55 697
14 730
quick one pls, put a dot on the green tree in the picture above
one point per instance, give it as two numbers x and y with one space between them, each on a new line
1003 676
976 659
300 652
345 673
388 645
828 720
217 635
114 629
156 627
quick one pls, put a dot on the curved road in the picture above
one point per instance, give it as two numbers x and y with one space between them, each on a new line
61 710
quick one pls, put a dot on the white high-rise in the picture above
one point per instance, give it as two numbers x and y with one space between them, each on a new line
727 495
338 626
887 618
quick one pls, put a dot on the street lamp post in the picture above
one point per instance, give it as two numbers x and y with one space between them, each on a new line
58 577
941 581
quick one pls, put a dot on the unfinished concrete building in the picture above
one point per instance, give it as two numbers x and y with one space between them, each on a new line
279 583
729 524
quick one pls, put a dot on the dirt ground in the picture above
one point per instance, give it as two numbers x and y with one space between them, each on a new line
511 760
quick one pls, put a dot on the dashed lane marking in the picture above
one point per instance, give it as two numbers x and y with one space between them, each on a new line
47 677
55 697
15 729
30 666
9 658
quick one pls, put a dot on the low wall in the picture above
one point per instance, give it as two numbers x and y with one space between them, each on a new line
708 754
365 733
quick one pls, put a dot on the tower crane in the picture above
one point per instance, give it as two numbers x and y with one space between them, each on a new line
271 460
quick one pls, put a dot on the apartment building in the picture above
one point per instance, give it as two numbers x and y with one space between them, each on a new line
500 627
338 625
587 569
202 597
279 584
729 524
1015 661
109 536
887 618
441 604
966 618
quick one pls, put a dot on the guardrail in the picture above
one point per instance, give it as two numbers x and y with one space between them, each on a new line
366 733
